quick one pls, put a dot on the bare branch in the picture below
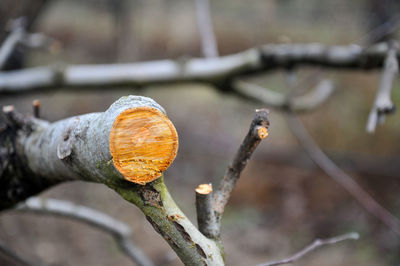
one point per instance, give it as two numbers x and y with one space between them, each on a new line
19 36
383 104
16 35
306 102
206 220
51 153
120 231
14 256
257 132
337 174
314 245
204 24
220 71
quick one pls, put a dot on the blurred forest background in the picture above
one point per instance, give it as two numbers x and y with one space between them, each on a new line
282 201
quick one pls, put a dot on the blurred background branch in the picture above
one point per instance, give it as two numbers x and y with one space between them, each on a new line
217 71
121 232
263 207
314 245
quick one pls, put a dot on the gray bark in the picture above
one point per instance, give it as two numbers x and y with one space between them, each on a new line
78 147
75 148
42 154
219 71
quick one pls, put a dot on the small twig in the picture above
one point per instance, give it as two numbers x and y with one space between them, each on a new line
258 131
314 245
337 174
204 24
307 102
206 219
120 231
14 256
36 108
383 104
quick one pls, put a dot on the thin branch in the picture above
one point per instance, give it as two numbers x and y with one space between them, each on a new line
218 71
19 36
206 219
257 132
14 256
204 24
314 245
120 231
16 35
383 104
337 174
36 108
307 102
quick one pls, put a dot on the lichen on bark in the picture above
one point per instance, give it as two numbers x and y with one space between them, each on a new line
168 220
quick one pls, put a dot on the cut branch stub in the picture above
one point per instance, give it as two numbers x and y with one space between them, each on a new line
133 140
143 144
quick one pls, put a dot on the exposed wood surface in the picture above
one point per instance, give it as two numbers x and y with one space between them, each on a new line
78 148
143 144
206 219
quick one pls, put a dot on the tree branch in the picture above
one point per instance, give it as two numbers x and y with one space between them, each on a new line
206 219
258 131
16 35
19 36
330 168
14 256
219 71
307 102
36 108
383 104
125 148
314 245
343 179
120 231
204 24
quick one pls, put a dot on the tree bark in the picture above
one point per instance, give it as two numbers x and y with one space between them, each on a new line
78 148
219 71
36 155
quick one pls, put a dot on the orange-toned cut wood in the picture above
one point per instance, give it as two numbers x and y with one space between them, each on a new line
143 144
262 132
204 189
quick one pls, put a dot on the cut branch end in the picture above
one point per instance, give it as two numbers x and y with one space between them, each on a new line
262 132
204 189
36 108
8 109
143 144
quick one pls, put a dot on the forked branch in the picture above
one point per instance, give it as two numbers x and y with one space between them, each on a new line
220 71
127 148
258 131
